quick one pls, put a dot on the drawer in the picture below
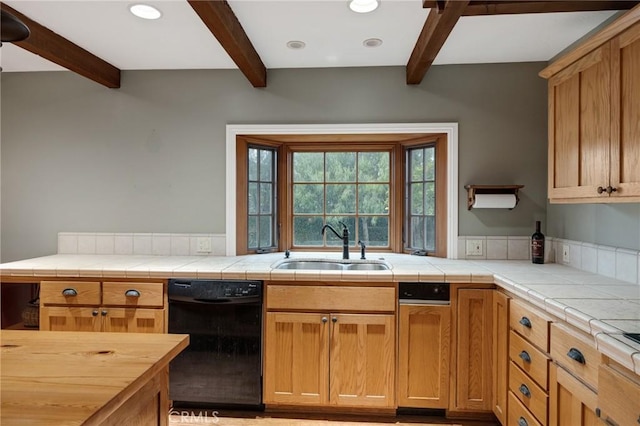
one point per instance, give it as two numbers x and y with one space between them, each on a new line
618 397
529 393
331 298
531 323
576 352
132 294
530 359
518 414
70 293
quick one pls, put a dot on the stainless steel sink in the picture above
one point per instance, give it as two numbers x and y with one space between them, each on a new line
333 265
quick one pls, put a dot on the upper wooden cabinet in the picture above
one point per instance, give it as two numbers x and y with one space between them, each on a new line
594 118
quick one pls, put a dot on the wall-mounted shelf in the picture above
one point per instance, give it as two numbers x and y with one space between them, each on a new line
492 196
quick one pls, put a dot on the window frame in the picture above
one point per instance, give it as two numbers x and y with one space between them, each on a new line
397 143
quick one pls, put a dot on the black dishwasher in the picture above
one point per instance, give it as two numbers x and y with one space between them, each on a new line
222 366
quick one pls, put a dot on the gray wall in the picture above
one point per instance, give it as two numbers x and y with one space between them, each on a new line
149 157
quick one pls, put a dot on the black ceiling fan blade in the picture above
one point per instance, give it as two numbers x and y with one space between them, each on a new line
12 28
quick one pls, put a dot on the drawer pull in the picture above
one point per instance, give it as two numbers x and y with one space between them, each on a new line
94 313
610 422
69 292
525 322
576 355
525 390
104 313
324 319
522 422
524 355
132 293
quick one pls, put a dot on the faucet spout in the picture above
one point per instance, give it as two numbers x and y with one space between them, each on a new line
344 237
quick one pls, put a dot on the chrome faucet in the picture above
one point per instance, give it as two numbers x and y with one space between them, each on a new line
344 237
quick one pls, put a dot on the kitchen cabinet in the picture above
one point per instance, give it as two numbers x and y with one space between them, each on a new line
424 355
473 367
323 356
96 306
571 402
594 130
500 355
618 396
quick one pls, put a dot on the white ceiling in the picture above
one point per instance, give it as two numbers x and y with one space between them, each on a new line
332 33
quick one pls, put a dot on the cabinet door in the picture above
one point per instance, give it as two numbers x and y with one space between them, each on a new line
570 401
132 320
424 356
625 149
69 318
473 350
580 127
500 355
362 360
296 359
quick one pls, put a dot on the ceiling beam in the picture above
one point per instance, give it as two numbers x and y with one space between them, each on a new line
506 7
59 50
224 25
436 29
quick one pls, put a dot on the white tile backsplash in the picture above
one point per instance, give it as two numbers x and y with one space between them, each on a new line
607 261
159 244
589 261
518 248
496 248
626 265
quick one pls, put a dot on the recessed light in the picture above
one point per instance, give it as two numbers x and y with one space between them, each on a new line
372 42
296 44
363 6
145 11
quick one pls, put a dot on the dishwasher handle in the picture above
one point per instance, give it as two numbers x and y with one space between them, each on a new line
241 300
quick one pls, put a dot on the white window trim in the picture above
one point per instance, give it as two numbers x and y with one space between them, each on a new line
450 129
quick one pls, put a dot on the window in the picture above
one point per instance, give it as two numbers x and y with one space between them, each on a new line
389 190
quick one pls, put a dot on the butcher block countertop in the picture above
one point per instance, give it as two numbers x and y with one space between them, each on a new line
601 306
79 378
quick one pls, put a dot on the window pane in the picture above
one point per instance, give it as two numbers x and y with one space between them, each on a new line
341 199
308 166
416 162
253 164
430 163
266 231
417 198
341 166
308 198
430 223
253 198
430 199
373 167
266 196
252 232
306 231
373 199
417 232
266 162
331 239
374 231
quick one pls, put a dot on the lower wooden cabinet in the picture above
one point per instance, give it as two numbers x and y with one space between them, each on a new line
618 396
424 356
500 355
123 320
343 360
570 401
473 376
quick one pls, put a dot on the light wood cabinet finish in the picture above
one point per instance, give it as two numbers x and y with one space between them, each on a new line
500 355
529 359
518 414
576 352
133 320
618 397
570 401
424 356
530 323
529 393
331 298
86 293
594 135
115 293
70 318
473 376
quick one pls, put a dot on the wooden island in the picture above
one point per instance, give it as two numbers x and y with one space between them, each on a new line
79 378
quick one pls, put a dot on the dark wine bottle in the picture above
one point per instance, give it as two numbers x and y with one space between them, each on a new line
537 245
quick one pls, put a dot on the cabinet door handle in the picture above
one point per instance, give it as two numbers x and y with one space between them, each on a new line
525 390
601 189
576 355
525 322
94 313
525 356
610 422
611 189
132 293
334 319
324 319
522 422
69 292
104 313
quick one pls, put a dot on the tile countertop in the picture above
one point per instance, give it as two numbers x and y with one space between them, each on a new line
604 307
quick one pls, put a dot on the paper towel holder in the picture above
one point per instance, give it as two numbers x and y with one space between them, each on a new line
472 190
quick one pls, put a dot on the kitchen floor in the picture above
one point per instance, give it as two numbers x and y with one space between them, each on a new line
262 419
